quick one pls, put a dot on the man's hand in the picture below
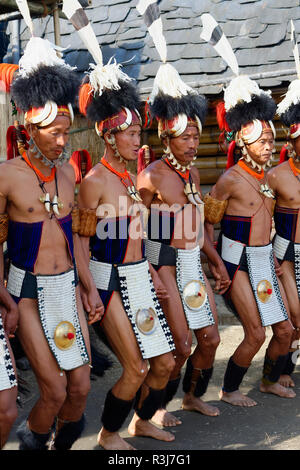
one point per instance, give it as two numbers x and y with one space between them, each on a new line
278 268
10 317
92 304
161 291
221 276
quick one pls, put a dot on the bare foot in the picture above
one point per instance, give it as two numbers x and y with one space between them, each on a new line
236 398
286 381
140 427
192 403
112 441
163 418
277 389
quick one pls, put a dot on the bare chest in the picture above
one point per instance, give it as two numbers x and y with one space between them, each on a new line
30 199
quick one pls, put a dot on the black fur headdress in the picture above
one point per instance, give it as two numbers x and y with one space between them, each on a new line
46 83
107 89
244 100
171 96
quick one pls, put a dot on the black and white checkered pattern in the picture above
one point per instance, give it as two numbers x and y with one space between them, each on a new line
260 261
189 268
7 374
297 266
137 292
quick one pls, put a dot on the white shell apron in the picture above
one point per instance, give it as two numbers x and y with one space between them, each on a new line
56 296
140 303
281 246
192 289
262 276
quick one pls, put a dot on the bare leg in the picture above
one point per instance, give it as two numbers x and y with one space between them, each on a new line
157 378
78 380
203 358
52 385
289 283
254 335
182 337
121 337
279 345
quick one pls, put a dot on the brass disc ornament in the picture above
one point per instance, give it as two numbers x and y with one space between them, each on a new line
194 294
264 290
64 335
145 320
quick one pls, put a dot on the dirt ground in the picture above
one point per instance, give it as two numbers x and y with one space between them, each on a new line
271 425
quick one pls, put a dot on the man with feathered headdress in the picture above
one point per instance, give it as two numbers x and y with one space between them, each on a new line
112 237
36 201
284 179
170 187
256 293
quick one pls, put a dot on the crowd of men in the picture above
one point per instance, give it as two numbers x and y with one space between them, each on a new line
125 254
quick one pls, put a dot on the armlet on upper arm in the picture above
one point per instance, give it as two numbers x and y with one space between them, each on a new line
214 209
3 227
88 222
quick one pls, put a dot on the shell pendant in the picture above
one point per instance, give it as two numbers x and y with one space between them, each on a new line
192 194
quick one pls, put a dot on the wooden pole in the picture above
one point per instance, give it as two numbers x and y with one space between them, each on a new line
35 8
56 25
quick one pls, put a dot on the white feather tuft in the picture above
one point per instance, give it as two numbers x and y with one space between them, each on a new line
168 82
292 96
241 88
156 32
107 77
38 52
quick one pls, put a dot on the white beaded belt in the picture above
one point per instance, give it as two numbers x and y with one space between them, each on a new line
262 276
232 250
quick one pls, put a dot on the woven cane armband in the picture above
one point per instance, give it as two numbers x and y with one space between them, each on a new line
214 209
3 227
75 220
88 222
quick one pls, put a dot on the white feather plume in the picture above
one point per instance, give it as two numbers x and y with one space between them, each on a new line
107 76
295 49
86 33
168 82
155 30
38 52
241 88
222 46
292 96
25 12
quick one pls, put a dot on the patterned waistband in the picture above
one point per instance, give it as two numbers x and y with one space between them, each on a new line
106 276
232 250
159 254
23 284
